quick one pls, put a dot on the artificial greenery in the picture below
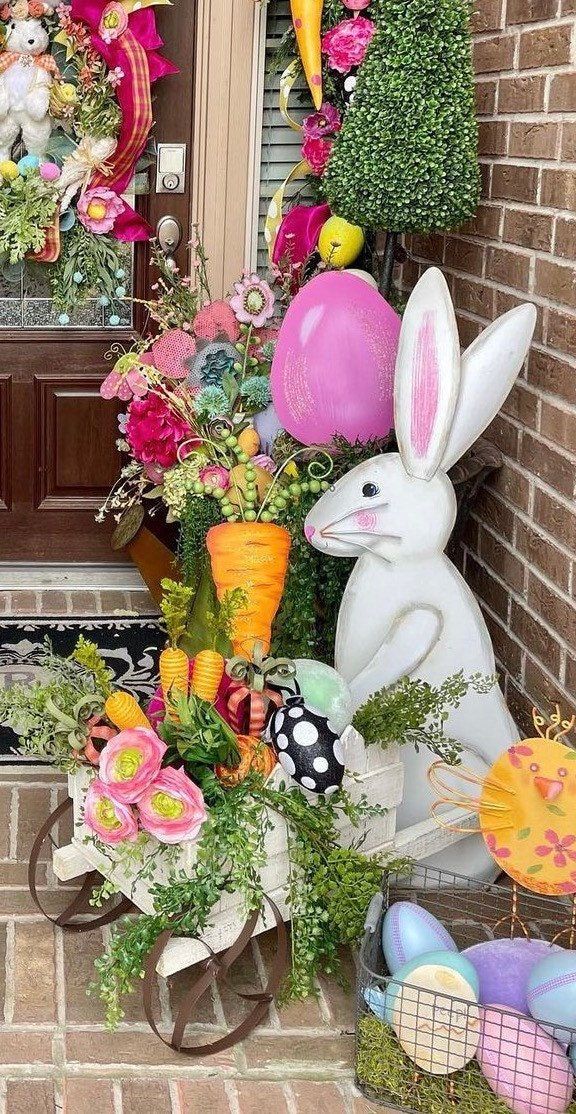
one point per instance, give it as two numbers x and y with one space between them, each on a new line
88 266
99 114
415 712
51 717
406 157
27 207
329 887
198 739
199 515
175 606
387 1074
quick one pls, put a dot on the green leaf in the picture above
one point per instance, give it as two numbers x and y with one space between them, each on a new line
524 833
534 869
556 810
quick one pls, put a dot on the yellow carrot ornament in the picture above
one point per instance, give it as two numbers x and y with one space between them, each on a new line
173 662
307 20
125 712
208 668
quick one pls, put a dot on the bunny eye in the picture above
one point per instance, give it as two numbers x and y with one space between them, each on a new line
534 767
562 772
370 490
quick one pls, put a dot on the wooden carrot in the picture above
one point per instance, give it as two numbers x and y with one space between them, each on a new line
207 673
252 556
124 711
307 20
173 665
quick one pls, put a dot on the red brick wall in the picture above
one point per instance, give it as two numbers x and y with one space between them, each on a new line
521 544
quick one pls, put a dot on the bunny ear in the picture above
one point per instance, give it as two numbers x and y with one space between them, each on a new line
489 368
427 375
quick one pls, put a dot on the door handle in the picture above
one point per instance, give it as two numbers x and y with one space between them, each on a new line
169 233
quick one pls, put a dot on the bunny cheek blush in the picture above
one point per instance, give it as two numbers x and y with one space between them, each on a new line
406 610
409 931
523 1065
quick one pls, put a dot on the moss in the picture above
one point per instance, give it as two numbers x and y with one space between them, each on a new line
406 157
387 1074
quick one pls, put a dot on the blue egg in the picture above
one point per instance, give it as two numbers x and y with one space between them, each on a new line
551 995
572 1055
408 931
63 319
28 162
438 964
375 998
114 319
67 220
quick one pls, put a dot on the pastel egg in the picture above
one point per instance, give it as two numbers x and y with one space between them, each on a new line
49 172
409 931
523 1065
572 1055
552 994
504 966
324 689
434 1012
28 162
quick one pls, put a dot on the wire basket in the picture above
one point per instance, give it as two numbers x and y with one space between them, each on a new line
418 1054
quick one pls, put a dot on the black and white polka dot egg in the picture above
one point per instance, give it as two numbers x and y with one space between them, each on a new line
306 746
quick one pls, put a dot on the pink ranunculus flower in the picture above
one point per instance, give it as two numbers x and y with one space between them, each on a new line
215 320
130 762
253 301
322 123
172 808
216 476
154 432
317 152
98 208
346 44
112 821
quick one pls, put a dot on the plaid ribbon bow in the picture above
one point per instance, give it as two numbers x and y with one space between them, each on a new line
257 684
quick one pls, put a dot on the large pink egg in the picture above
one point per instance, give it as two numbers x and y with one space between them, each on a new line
524 1066
333 368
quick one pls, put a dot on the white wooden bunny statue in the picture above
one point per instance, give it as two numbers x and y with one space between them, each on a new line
406 609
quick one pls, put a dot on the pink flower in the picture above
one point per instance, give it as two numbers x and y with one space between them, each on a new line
317 152
126 379
569 887
347 43
253 302
265 462
130 762
113 22
516 753
154 432
215 476
562 848
498 852
115 76
215 320
98 208
112 821
172 807
322 123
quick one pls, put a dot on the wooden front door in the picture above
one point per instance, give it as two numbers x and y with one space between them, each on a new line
58 454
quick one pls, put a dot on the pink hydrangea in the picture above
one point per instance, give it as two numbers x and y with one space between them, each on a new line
346 44
322 123
172 808
130 762
215 320
154 432
317 152
112 821
98 208
216 476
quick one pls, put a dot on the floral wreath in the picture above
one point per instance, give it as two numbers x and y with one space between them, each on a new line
65 208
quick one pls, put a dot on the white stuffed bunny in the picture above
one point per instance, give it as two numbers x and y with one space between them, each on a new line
406 609
26 75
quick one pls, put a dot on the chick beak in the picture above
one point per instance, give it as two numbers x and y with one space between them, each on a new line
547 788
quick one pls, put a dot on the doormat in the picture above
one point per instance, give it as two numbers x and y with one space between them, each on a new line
130 647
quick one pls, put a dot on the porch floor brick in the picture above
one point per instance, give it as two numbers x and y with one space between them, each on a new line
56 1056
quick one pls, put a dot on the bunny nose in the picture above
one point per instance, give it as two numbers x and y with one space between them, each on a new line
547 788
309 532
30 42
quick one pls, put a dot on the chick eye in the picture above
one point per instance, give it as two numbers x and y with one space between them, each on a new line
562 772
534 767
370 490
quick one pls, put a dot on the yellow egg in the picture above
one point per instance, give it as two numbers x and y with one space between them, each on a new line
340 242
9 170
238 483
249 441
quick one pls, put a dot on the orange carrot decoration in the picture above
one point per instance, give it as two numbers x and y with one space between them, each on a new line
124 711
173 662
254 755
307 20
252 556
207 673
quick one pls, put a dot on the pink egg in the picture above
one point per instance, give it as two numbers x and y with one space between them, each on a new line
333 368
523 1065
49 171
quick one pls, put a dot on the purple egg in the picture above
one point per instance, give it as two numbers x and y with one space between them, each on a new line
504 966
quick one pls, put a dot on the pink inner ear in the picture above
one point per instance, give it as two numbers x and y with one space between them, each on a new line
425 380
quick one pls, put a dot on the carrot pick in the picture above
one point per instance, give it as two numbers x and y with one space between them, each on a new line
307 20
252 556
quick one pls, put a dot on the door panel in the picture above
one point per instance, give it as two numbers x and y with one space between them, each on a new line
58 455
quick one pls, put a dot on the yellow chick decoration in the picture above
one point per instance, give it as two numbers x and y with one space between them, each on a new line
340 242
